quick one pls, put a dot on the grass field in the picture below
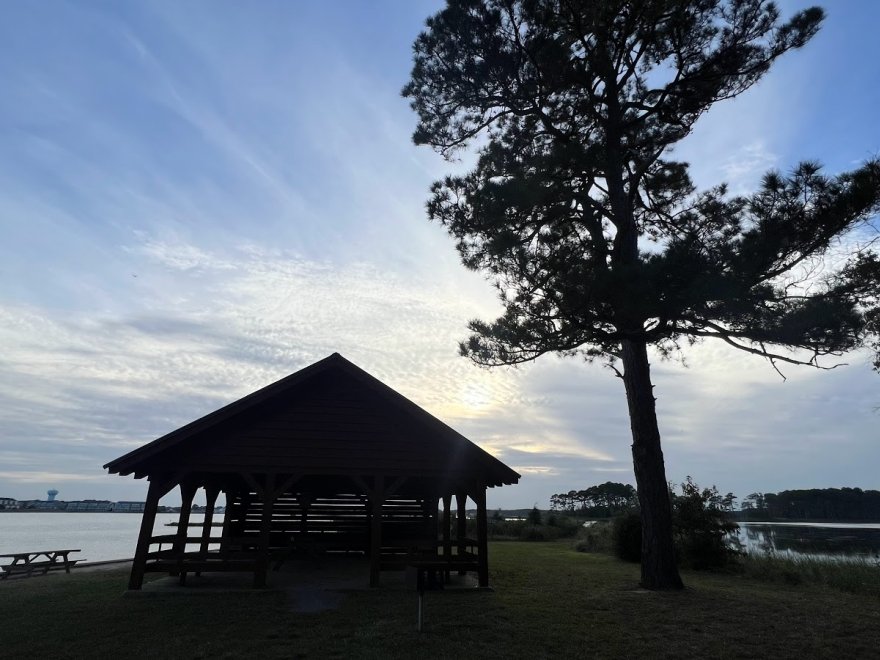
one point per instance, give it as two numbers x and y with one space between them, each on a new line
549 602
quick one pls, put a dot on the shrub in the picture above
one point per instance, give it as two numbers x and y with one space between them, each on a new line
534 533
598 537
567 527
701 527
627 536
524 530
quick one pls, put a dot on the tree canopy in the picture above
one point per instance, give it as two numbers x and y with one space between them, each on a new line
595 236
602 500
577 105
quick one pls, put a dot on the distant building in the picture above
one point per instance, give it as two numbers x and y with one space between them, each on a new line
128 507
44 505
9 503
90 505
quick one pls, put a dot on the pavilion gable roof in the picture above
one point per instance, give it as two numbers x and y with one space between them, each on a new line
430 428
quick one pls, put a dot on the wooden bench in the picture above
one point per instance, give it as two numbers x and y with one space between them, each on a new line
40 562
317 545
431 568
436 570
427 571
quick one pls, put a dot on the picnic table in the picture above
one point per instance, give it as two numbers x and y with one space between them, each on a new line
428 571
42 561
433 566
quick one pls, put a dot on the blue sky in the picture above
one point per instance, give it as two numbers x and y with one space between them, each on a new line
200 198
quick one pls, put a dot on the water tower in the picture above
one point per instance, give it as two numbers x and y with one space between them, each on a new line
51 493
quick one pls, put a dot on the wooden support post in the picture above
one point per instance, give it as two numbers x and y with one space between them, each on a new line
482 536
434 512
268 496
305 502
187 493
447 525
447 530
377 497
211 493
461 523
226 532
228 518
280 489
239 522
154 493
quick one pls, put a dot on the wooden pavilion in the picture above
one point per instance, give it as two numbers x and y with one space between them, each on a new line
326 460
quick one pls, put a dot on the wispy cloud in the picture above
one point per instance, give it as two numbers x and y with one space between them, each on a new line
743 168
538 470
49 477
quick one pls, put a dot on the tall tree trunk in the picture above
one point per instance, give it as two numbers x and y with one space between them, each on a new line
658 555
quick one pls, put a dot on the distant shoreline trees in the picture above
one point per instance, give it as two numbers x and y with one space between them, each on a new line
603 501
838 504
611 499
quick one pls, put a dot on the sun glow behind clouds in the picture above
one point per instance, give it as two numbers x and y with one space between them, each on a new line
476 396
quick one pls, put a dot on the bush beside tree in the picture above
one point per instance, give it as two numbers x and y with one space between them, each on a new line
628 536
700 525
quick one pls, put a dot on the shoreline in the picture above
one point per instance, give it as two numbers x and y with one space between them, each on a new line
103 565
64 511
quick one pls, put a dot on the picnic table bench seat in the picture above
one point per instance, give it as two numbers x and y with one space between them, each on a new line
40 562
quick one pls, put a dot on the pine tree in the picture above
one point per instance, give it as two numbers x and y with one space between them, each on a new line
598 242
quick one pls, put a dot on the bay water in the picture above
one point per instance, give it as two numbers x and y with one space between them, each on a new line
854 541
107 536
100 536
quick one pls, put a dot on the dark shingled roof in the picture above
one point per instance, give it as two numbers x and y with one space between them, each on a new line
309 426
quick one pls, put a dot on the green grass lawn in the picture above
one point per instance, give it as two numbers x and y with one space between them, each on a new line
549 601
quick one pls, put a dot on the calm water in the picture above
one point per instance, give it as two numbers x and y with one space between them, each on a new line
101 536
838 540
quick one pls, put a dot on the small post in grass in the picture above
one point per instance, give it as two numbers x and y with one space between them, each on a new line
420 586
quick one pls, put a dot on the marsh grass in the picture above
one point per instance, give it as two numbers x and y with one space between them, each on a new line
552 527
851 575
548 602
856 576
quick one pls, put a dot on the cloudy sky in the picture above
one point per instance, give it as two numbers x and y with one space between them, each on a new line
199 198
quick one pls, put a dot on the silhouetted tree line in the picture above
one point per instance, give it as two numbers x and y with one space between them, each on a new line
814 504
602 501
